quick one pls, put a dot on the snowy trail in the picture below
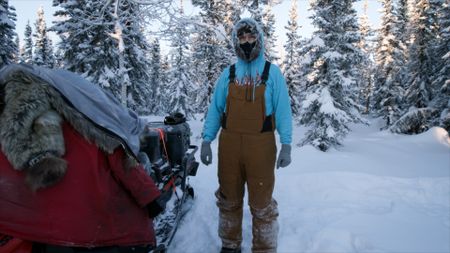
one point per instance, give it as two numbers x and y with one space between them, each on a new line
378 193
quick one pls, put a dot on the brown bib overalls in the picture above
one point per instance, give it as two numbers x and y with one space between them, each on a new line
247 154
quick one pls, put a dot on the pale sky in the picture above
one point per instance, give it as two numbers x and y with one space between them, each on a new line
27 10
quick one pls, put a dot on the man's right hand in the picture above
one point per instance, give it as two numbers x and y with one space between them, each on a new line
206 153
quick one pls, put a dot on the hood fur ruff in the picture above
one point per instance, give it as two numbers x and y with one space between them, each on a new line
30 129
253 26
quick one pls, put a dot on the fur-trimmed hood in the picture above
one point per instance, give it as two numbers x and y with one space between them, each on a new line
252 25
30 126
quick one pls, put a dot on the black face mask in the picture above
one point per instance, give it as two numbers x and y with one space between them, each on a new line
247 48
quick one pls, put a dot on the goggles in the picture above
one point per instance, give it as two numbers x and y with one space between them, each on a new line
247 37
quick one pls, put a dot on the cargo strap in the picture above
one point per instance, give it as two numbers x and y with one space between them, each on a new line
171 183
161 136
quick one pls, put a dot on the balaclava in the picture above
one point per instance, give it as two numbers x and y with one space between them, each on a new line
247 51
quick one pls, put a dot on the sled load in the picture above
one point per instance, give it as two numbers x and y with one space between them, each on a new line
170 162
47 111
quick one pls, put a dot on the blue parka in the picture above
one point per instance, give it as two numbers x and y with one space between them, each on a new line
276 93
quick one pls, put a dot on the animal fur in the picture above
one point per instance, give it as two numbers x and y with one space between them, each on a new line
30 125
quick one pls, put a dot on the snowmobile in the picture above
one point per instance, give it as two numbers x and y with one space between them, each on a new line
168 158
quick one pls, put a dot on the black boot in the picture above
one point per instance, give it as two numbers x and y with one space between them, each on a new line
228 250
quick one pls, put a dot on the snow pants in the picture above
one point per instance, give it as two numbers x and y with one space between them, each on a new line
247 159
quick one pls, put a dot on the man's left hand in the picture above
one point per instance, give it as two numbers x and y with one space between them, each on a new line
284 158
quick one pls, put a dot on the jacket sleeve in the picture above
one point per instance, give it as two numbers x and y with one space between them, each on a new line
282 107
216 108
135 181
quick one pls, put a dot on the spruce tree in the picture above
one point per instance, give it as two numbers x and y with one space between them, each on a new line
402 21
162 90
256 9
291 62
106 45
420 111
8 46
132 48
232 16
80 36
420 63
27 56
328 108
43 50
390 58
59 58
212 49
156 78
366 67
16 57
441 77
270 39
180 85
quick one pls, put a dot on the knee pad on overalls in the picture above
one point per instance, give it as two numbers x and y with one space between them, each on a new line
270 212
227 205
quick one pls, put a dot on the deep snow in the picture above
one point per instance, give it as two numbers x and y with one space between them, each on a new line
379 192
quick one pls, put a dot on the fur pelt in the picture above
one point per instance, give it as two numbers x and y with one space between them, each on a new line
30 127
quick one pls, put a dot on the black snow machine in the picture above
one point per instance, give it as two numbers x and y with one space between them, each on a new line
168 158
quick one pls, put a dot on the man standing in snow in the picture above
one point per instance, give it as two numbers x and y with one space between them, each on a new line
250 101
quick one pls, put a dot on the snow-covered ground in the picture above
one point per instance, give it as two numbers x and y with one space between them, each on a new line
379 192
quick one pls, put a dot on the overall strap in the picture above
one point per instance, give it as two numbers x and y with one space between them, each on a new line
232 77
268 123
232 73
265 74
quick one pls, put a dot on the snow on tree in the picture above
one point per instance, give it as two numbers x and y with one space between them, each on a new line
402 15
8 46
104 42
27 55
133 63
43 50
16 57
180 86
232 16
205 67
305 50
162 91
441 78
156 79
433 14
291 62
76 30
84 28
328 107
423 102
59 58
420 59
270 39
390 58
365 82
416 120
212 49
255 8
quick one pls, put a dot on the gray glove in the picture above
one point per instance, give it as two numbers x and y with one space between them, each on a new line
206 153
284 158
